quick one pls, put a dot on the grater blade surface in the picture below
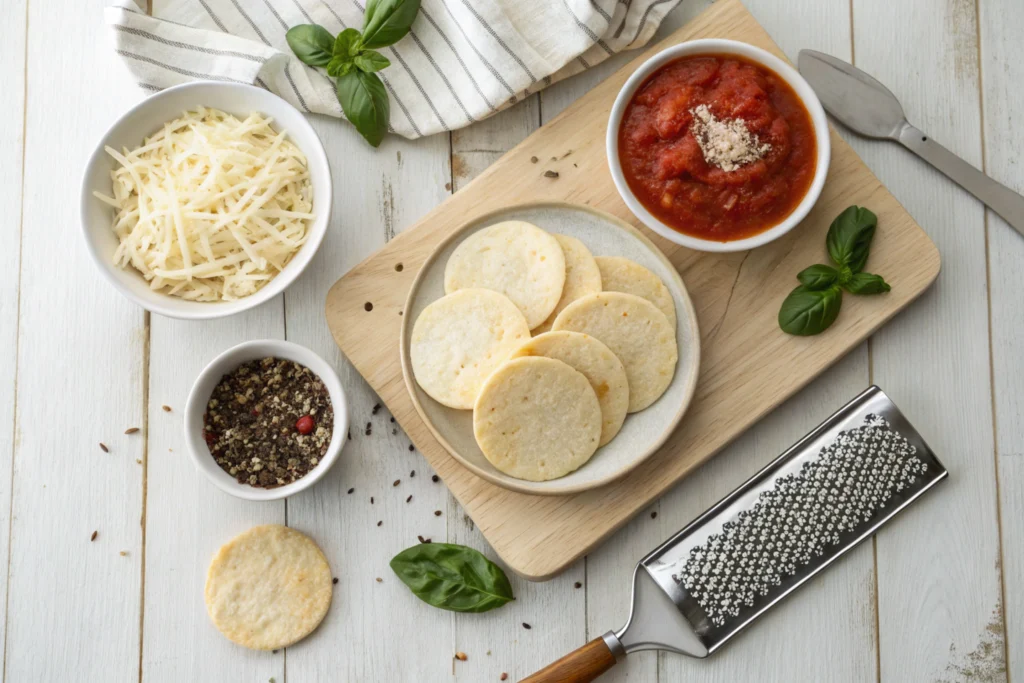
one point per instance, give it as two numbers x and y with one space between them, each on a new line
823 496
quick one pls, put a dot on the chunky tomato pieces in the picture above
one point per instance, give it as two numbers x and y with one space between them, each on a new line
666 168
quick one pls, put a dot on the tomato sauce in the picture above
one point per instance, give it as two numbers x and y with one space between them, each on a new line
666 168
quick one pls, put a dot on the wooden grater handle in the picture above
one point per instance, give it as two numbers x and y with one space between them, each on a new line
579 666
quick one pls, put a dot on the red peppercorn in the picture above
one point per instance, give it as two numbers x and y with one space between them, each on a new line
304 424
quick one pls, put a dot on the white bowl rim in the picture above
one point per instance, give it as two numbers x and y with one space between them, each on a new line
194 310
227 361
756 54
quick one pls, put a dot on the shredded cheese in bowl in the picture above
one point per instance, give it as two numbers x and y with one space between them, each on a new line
211 207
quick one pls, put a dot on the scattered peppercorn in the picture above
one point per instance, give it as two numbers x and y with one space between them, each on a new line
526 626
435 478
166 409
380 522
349 434
654 515
392 419
550 174
104 448
503 676
578 585
412 474
351 490
368 307
131 430
371 500
369 428
409 498
335 581
411 448
461 656
394 432
376 409
94 535
437 513
534 160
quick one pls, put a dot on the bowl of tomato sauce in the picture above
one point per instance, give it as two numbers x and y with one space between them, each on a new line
718 145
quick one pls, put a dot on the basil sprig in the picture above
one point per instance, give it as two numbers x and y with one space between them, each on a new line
452 577
352 59
814 305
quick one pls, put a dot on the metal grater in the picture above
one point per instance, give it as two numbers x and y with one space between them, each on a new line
816 501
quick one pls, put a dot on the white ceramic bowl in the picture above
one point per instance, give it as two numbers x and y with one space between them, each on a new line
145 119
225 363
754 54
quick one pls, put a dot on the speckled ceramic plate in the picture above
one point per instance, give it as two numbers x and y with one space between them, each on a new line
643 432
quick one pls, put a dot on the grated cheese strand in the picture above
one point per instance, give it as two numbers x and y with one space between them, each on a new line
210 208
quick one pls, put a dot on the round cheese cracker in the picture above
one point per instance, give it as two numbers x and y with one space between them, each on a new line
581 276
622 275
460 339
537 419
637 332
268 587
515 258
599 365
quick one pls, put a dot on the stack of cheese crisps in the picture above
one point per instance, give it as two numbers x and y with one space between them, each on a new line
549 346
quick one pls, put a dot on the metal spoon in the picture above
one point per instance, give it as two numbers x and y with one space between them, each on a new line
869 108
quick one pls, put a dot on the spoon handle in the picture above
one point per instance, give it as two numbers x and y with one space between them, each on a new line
996 196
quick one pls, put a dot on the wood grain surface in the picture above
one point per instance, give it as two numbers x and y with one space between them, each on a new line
748 365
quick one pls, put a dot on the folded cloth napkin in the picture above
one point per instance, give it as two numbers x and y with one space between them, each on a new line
462 61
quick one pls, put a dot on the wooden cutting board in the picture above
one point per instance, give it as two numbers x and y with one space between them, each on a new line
748 366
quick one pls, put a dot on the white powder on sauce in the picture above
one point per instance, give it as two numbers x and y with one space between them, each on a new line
726 143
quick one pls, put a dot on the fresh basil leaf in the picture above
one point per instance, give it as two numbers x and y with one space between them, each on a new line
818 276
867 283
387 21
452 577
365 103
849 237
347 44
311 43
370 61
339 66
806 312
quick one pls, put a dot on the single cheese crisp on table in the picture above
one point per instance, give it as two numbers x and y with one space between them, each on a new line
537 419
637 332
582 276
458 340
210 207
515 258
599 365
622 275
268 587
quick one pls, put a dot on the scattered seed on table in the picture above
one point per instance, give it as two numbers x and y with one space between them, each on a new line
397 482
166 409
392 419
461 656
394 432
409 498
380 580
351 490
423 540
534 160
138 461
654 515
526 626
334 580
578 585
131 430
104 448
369 428
376 409
503 676
411 448
349 434
124 553
371 500
550 174
412 474
380 522
437 513
435 478
94 535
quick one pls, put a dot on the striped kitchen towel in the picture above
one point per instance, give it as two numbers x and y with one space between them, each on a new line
462 61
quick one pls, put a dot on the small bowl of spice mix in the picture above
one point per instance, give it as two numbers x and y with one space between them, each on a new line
266 419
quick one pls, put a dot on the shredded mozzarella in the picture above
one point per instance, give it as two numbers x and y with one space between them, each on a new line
210 208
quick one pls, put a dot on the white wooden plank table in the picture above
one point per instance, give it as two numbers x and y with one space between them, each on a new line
937 596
